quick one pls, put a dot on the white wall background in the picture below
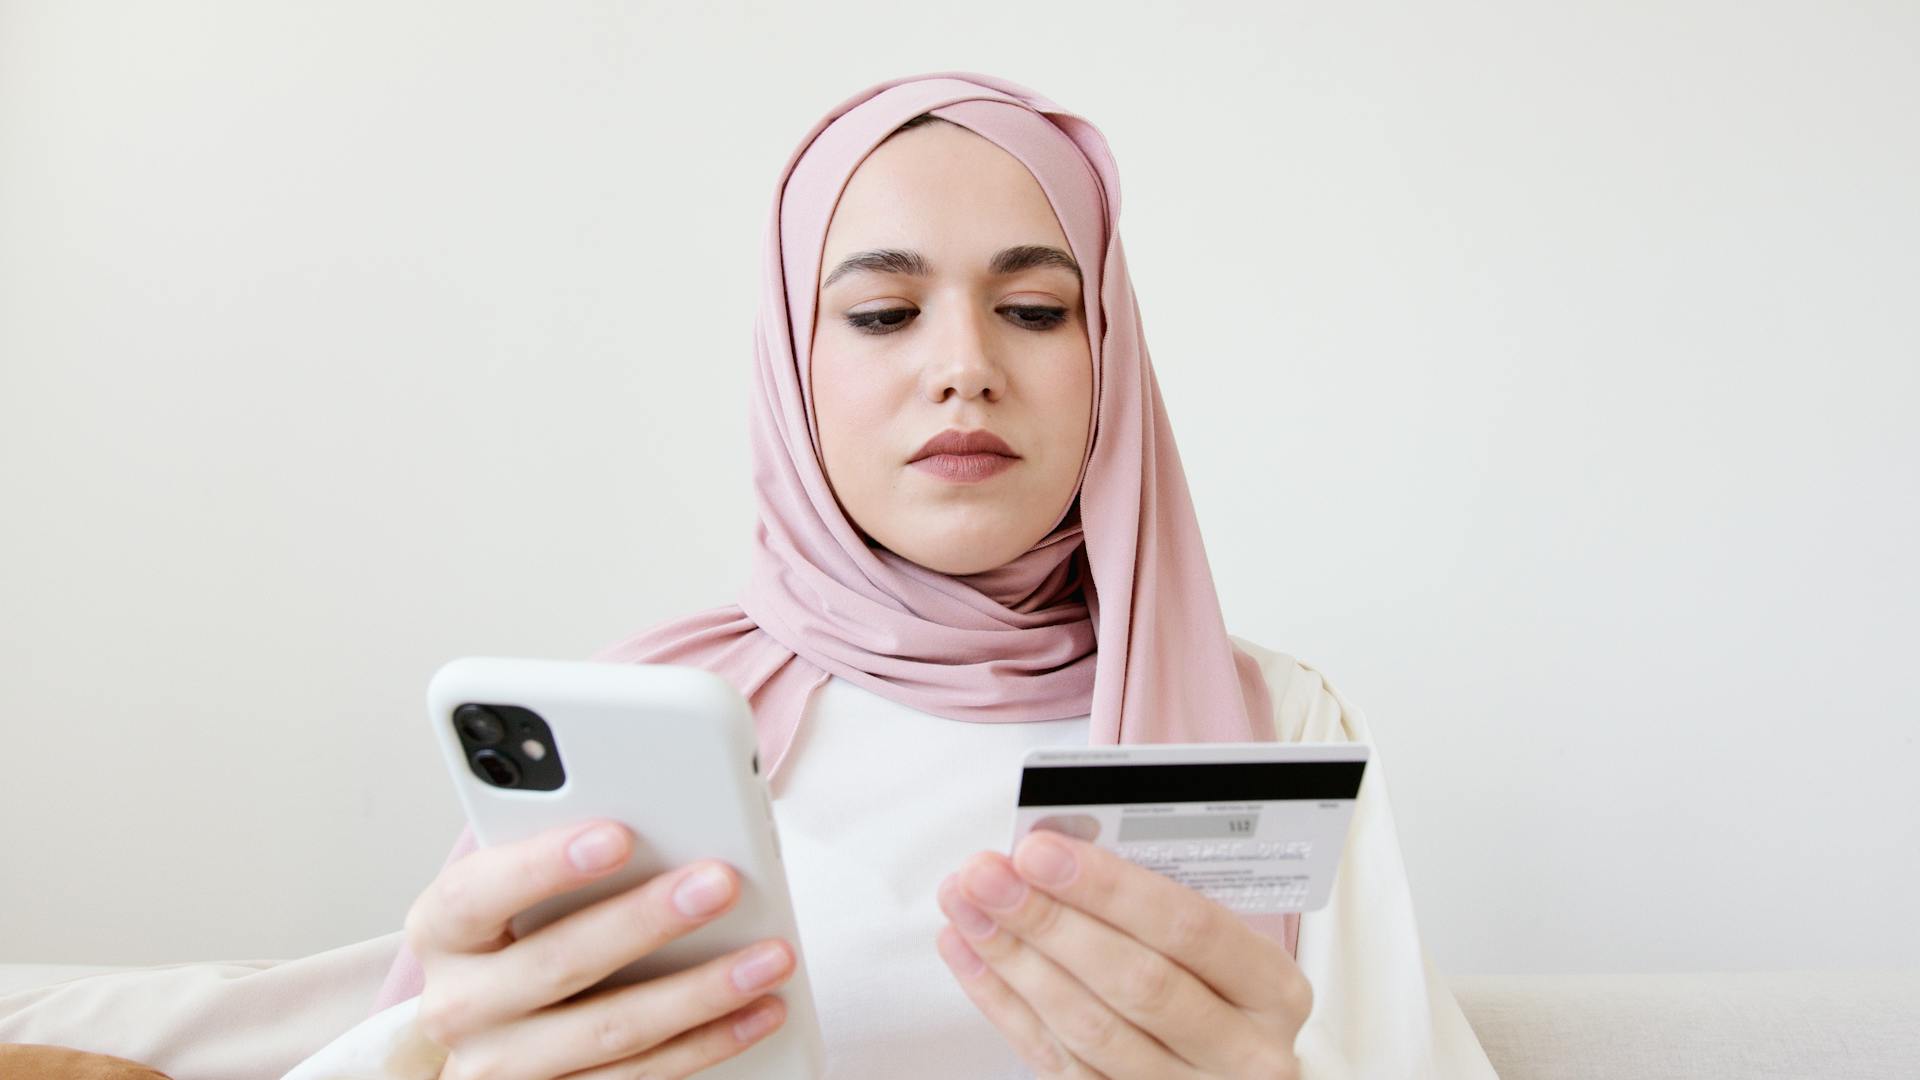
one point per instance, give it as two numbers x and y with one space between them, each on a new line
1545 373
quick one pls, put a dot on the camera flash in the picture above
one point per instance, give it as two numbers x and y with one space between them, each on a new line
534 749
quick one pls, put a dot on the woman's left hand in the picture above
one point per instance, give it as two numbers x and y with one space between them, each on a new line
1091 966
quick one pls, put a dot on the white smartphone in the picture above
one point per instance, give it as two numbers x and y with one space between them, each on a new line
665 749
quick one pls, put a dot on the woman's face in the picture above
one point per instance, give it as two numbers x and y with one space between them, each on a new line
929 319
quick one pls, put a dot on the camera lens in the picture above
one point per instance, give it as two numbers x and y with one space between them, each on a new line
479 724
498 768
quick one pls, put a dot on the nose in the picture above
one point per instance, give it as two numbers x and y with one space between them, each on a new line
963 361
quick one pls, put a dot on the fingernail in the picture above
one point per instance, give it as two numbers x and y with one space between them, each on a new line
959 957
970 920
703 892
757 1023
595 849
991 883
1044 859
761 968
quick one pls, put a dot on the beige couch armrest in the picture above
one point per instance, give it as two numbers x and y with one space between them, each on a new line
1861 1025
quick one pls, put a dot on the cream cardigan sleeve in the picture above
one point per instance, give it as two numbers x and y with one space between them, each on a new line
1380 1007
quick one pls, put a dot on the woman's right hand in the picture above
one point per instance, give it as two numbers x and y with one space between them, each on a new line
495 1002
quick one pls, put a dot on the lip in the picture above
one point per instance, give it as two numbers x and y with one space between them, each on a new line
957 443
965 468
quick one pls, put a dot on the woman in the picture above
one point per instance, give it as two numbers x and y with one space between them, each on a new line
943 259
943 263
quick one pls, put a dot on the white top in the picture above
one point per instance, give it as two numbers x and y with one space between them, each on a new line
876 802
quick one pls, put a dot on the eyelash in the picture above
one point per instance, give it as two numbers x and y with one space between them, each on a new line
865 321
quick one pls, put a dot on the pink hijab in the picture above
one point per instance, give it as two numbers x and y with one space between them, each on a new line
1124 568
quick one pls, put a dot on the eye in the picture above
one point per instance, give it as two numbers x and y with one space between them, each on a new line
880 322
1038 318
1029 316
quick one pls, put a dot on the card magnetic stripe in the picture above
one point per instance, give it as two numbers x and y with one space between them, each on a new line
1213 782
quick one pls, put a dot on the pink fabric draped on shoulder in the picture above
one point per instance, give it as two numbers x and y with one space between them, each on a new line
1113 614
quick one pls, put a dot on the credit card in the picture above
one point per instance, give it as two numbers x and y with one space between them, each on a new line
1256 827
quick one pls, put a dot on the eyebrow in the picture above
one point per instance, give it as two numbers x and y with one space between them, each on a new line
902 261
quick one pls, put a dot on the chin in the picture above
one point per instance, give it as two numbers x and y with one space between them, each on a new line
955 543
958 562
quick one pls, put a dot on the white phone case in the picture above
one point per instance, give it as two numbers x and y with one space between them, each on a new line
668 750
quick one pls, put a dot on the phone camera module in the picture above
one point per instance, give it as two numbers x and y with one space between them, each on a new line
479 724
498 768
509 746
